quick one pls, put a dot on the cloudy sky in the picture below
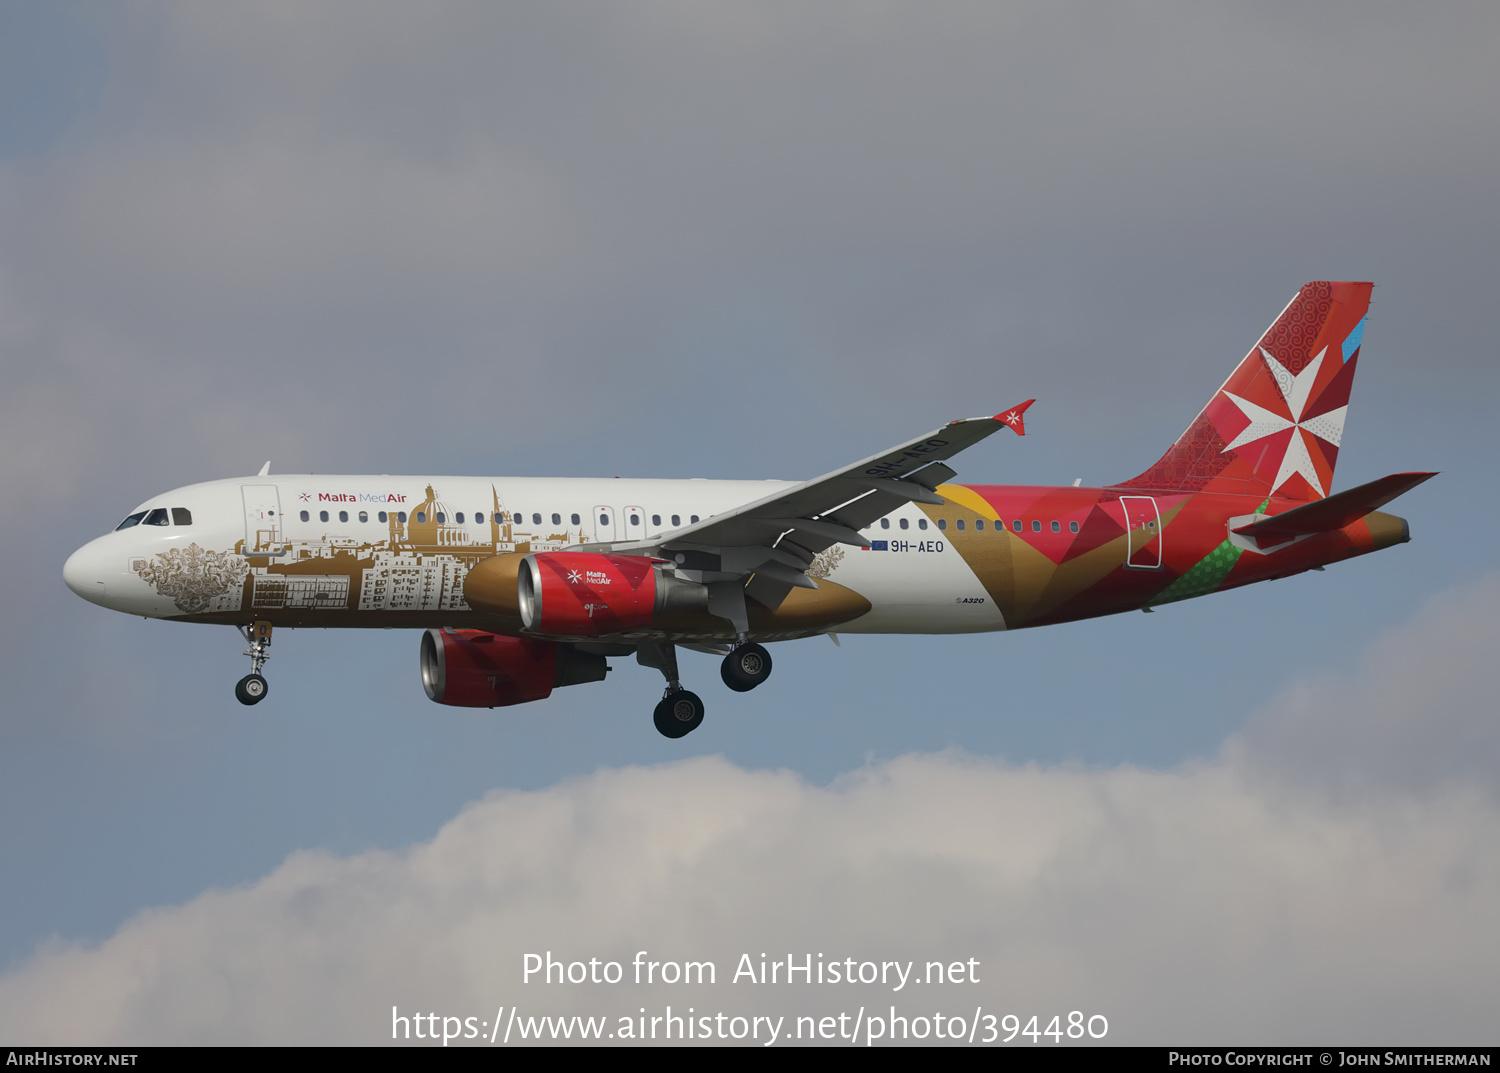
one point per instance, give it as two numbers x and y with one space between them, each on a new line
751 240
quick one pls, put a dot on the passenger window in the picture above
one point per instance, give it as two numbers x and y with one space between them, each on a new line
557 519
1016 525
978 523
322 515
921 523
656 519
905 524
305 516
343 515
479 518
1036 526
383 516
635 519
401 516
536 519
695 519
1056 528
960 523
604 519
182 516
441 517
363 516
458 519
885 523
134 519
575 519
157 517
421 517
677 519
942 523
1072 527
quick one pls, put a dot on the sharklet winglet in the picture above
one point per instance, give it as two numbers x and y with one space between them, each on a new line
1012 417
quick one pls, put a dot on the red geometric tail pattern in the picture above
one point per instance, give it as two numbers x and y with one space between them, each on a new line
1274 427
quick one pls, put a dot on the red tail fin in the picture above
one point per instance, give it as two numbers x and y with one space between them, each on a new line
1275 425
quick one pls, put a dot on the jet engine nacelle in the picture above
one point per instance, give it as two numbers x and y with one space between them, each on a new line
591 594
475 669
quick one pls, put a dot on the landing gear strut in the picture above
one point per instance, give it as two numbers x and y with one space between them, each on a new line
252 688
680 711
746 667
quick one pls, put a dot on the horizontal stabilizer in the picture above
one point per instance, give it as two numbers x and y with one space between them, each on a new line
1335 512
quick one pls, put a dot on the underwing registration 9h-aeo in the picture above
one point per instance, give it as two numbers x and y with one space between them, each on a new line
526 584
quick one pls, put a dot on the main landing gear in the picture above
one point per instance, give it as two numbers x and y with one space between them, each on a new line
680 711
746 667
252 688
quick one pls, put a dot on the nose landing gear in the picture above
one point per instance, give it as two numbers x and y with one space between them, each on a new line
252 688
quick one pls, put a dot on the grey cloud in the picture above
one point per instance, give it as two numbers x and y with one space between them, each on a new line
381 203
675 130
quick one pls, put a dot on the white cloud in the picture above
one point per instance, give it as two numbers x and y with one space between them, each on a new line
1233 900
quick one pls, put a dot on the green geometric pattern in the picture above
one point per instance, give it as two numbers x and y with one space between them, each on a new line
1205 575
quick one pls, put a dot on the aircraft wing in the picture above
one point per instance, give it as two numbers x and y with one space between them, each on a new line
776 538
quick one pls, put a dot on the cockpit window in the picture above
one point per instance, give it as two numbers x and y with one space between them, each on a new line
182 516
157 517
134 519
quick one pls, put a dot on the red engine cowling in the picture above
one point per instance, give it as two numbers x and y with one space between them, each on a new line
475 669
591 594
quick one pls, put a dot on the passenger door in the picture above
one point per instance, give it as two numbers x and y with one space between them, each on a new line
264 527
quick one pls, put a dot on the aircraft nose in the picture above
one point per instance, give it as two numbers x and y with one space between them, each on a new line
84 573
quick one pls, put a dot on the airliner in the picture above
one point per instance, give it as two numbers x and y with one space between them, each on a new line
522 585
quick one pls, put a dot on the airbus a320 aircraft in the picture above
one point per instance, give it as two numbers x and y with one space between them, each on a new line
524 584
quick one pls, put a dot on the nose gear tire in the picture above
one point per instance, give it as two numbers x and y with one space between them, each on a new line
251 689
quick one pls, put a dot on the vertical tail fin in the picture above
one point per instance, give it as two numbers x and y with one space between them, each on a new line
1275 425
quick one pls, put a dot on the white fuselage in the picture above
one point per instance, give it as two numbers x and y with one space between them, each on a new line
380 550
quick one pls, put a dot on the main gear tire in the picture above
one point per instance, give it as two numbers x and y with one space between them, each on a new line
679 713
746 667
